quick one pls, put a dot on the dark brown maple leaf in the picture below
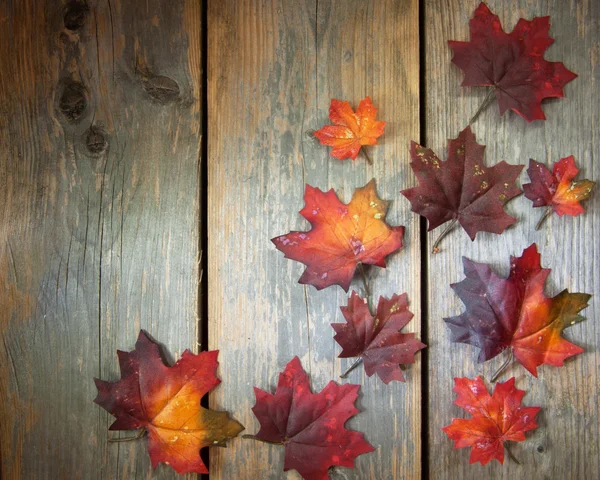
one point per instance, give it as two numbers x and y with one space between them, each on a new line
378 340
512 63
462 188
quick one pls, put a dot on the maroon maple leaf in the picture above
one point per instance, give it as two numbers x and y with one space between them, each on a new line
309 425
378 340
462 188
512 63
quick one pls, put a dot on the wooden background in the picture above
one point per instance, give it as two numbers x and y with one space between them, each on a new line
134 135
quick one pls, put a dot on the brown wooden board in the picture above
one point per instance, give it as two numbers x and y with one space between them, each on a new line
566 444
99 220
272 69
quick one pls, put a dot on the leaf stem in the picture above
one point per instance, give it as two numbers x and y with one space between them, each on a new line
510 454
128 439
252 437
364 279
544 216
486 102
435 248
364 151
352 367
503 367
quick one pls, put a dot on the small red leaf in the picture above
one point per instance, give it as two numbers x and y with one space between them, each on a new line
514 313
350 130
342 236
494 419
165 401
512 63
309 425
557 189
378 340
462 188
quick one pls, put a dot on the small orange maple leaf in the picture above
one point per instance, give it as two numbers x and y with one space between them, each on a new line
350 130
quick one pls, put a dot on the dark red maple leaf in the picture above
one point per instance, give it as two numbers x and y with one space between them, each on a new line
462 188
557 189
165 401
514 313
494 419
309 425
342 237
378 340
512 63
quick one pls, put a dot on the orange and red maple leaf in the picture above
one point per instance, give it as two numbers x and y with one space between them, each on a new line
165 401
494 419
342 236
351 131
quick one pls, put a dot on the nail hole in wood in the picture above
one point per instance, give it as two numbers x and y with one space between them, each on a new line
95 141
162 89
75 15
73 101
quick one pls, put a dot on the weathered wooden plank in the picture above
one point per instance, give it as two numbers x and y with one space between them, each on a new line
566 443
100 132
273 68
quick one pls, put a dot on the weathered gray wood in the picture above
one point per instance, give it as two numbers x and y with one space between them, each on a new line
566 444
273 68
99 154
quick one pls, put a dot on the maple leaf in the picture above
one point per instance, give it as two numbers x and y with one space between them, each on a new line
309 425
461 188
514 313
351 130
494 419
342 238
165 401
378 340
557 189
512 63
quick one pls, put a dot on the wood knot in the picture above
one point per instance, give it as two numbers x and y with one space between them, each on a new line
73 101
95 141
75 15
540 449
162 89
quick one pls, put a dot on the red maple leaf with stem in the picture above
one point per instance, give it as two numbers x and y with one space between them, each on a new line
495 419
309 425
377 341
557 190
512 64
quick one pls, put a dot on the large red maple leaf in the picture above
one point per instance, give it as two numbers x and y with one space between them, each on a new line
558 189
309 425
351 131
165 401
494 419
462 188
378 340
342 236
514 313
512 63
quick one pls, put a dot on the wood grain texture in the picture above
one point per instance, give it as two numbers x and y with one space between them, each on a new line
273 67
566 444
99 161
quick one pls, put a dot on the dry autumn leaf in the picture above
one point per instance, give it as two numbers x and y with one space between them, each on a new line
310 425
557 190
495 419
515 314
342 238
462 189
165 401
378 341
351 131
512 64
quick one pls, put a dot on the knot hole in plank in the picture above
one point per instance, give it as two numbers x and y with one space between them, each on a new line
162 89
73 100
75 15
95 141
